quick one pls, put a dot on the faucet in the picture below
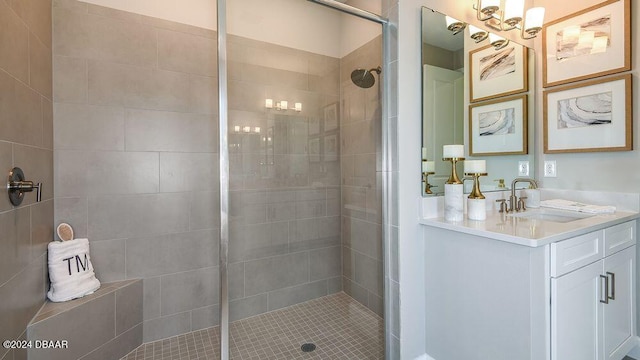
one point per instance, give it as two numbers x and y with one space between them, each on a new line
514 204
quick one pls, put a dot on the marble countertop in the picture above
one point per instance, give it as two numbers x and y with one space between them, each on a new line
529 231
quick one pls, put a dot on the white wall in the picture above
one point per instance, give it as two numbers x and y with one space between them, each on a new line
293 23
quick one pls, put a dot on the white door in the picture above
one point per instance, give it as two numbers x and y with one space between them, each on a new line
575 315
443 117
619 313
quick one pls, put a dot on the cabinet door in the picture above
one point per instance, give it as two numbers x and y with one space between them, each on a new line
619 313
576 320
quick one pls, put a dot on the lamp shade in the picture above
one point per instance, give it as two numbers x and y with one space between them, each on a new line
534 18
513 10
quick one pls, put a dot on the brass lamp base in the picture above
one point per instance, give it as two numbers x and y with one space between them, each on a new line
475 192
453 179
425 179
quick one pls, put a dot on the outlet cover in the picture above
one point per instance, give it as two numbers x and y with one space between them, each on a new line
523 168
550 168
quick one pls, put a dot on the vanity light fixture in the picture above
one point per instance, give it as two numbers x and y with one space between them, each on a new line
454 25
511 17
477 34
282 105
498 42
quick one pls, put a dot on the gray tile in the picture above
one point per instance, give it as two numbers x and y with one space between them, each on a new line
21 112
97 37
275 273
325 263
151 298
69 79
364 237
21 296
108 260
310 209
40 67
41 227
137 87
73 211
119 346
14 44
87 127
348 262
376 304
205 317
357 292
258 241
246 307
114 13
334 285
187 53
83 173
170 253
47 124
201 286
37 165
117 217
369 273
236 280
203 94
170 131
314 233
73 325
129 300
296 294
281 211
15 242
6 162
188 172
166 326
204 210
37 16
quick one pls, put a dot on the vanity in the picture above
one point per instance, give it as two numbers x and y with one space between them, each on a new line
540 284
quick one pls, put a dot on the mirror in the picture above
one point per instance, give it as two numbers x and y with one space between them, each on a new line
449 117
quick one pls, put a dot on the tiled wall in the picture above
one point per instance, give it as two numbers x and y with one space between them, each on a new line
135 103
137 165
26 141
285 178
362 265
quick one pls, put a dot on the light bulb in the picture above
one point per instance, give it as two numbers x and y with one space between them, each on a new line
513 10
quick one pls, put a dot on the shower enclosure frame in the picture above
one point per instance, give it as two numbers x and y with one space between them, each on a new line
223 118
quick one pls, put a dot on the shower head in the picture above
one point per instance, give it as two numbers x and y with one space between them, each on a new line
364 78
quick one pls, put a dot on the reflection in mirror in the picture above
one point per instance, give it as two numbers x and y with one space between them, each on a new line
446 105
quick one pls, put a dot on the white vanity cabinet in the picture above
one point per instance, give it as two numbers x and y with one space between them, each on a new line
593 294
505 297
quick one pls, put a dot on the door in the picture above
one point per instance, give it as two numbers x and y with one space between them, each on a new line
619 313
443 115
575 315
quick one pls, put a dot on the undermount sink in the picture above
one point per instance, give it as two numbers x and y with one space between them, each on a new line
558 216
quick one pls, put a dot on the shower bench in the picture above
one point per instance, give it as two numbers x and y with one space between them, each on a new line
104 325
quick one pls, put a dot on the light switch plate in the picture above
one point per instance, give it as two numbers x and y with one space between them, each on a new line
550 168
523 168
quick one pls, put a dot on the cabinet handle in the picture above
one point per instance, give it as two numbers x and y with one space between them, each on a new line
613 286
606 289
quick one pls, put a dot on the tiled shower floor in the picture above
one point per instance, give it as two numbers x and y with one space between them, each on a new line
339 326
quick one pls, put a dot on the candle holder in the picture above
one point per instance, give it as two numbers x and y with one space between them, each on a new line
453 179
425 179
475 191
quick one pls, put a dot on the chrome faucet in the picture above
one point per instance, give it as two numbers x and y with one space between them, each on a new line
514 204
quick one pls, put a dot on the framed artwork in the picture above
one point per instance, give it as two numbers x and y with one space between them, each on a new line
494 73
314 149
331 147
589 116
498 127
330 117
587 44
314 126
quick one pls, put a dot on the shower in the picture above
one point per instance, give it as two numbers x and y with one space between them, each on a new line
364 78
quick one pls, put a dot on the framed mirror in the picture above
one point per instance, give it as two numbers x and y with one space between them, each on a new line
477 96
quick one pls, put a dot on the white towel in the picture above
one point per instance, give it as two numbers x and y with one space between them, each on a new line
70 270
576 206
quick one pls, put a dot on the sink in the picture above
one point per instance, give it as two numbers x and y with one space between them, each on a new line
557 216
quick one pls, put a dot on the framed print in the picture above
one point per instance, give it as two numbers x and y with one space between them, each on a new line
331 147
314 126
494 73
589 116
587 44
330 116
314 149
498 127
